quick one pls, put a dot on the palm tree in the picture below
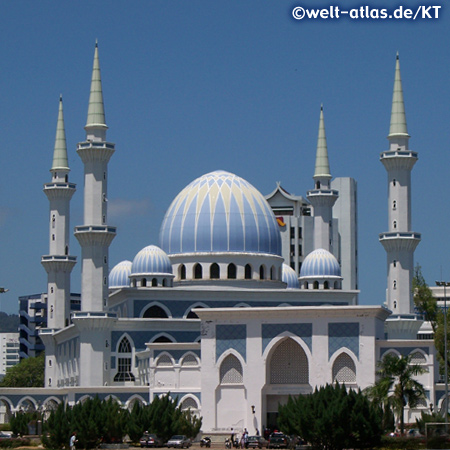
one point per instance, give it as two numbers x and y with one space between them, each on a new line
396 386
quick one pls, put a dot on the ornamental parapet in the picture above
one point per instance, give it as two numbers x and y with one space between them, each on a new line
322 197
59 190
93 320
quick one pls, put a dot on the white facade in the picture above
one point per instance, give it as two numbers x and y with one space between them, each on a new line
213 315
9 351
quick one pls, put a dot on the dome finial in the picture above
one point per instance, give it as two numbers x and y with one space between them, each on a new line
60 161
398 126
322 169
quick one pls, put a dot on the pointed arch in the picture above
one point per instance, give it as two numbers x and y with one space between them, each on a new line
344 369
248 272
231 371
156 310
124 350
162 337
231 271
189 314
262 272
189 360
164 360
418 357
198 271
129 404
288 363
189 402
214 271
182 272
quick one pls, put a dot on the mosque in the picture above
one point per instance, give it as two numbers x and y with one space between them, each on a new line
246 300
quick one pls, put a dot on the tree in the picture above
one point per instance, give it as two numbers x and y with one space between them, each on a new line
332 418
28 373
427 305
396 386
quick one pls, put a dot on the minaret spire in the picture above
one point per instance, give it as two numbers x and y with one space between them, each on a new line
322 169
399 242
96 123
398 126
322 198
60 161
58 263
94 236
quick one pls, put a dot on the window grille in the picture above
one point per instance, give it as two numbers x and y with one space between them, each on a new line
189 403
164 360
189 360
231 371
418 358
344 369
289 364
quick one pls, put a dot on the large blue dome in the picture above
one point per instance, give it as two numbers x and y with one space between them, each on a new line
220 212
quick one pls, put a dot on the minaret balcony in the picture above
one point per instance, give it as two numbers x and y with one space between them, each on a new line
399 159
58 263
400 240
92 151
322 197
59 190
95 234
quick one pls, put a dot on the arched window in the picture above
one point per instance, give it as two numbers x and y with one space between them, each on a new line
394 204
189 360
317 184
192 314
344 369
394 263
418 358
272 273
394 284
248 272
189 403
231 271
155 312
182 271
163 339
326 285
316 285
394 224
198 272
154 282
305 285
144 282
231 371
214 271
164 282
124 371
262 272
394 182
164 361
289 364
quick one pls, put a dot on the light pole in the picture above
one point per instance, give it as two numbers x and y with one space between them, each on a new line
445 284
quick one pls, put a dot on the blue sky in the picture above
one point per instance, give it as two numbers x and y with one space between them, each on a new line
199 85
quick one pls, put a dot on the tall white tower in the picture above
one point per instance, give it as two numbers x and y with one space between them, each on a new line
399 242
95 235
58 263
322 197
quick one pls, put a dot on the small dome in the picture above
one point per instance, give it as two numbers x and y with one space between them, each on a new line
289 276
320 263
151 260
119 275
217 213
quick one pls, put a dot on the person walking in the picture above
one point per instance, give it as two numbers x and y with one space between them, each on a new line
73 441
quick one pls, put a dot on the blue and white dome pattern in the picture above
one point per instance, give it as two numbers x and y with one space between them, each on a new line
289 276
220 212
119 275
151 260
320 263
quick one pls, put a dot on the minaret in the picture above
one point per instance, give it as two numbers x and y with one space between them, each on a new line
58 263
95 235
322 197
399 242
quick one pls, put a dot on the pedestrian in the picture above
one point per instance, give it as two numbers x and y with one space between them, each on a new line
73 441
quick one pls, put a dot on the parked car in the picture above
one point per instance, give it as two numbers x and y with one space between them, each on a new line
278 440
179 441
257 442
151 440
